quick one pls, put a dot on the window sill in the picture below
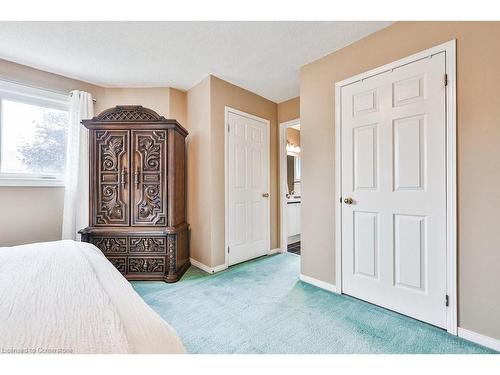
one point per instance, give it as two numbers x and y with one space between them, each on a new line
33 182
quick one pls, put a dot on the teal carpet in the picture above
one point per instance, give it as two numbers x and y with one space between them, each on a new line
261 307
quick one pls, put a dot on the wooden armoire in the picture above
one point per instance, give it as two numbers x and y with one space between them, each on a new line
137 193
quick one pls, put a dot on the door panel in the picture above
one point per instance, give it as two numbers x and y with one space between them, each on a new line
248 178
149 195
409 151
110 150
366 243
365 157
409 90
394 169
409 251
364 102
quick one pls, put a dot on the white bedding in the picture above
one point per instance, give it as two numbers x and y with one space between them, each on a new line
65 297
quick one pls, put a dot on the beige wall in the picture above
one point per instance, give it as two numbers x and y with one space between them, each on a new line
155 98
199 176
30 214
177 106
478 75
293 136
166 101
39 78
289 110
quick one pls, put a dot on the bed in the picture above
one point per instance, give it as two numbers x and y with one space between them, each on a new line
65 297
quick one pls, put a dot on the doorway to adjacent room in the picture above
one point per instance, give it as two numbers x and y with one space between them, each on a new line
290 187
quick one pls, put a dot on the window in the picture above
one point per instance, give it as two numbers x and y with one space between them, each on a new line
33 136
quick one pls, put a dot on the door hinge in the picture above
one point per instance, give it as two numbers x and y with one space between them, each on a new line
340 199
447 300
228 250
446 79
228 128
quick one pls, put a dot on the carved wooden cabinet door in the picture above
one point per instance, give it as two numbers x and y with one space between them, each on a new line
111 185
149 191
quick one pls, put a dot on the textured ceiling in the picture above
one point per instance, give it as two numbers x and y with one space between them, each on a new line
263 57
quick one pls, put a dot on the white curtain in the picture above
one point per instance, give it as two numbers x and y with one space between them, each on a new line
76 195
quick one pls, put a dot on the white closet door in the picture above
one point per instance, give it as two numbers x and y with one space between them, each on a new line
394 169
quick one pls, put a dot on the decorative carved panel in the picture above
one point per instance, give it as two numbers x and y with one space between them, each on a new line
111 180
149 265
119 263
124 113
109 245
147 245
172 250
150 203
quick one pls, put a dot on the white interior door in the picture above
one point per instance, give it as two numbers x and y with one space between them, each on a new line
394 170
248 180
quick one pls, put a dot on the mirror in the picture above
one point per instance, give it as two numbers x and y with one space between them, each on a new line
293 159
293 174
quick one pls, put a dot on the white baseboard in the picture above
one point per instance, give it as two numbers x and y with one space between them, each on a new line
200 265
219 268
222 267
483 340
320 284
206 268
274 251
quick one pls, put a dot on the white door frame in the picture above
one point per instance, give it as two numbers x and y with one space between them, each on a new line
283 179
228 110
451 170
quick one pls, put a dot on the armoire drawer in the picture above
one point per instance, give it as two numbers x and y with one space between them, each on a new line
111 245
150 245
137 265
120 263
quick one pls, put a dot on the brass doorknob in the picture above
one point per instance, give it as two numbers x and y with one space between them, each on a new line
265 195
348 200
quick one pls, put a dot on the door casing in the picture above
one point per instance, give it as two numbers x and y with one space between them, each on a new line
228 110
451 169
282 180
